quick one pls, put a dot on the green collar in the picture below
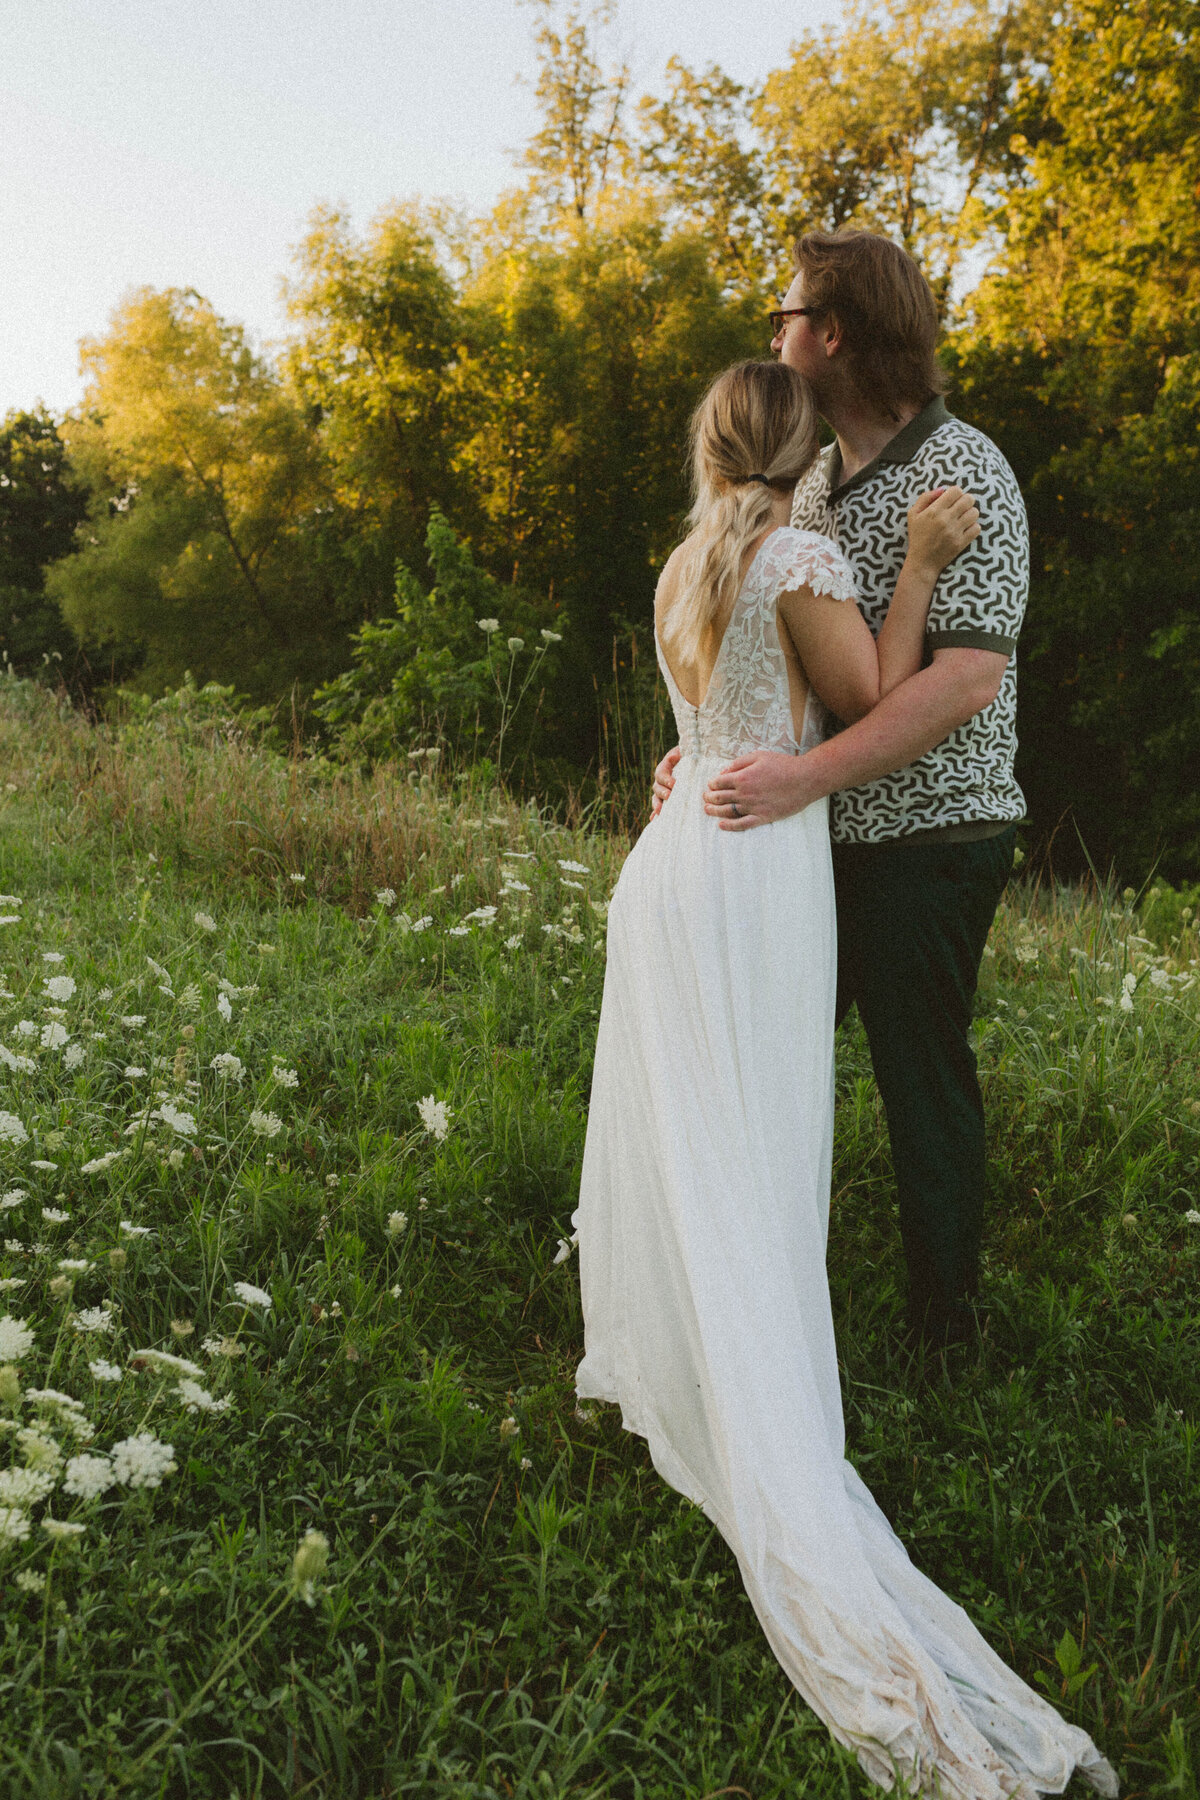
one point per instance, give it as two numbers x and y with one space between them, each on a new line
900 449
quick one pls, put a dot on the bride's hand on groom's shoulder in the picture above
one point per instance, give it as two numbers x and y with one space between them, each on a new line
757 790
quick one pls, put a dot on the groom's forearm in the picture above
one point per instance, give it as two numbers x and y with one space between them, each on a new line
907 723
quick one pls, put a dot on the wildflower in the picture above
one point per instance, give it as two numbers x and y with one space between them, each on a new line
228 1066
332 1181
551 637
176 1158
62 1530
396 1291
54 1215
15 1247
100 1370
39 1162
40 1451
157 968
486 913
59 987
24 1487
224 1008
515 644
14 1525
27 1028
98 1164
435 1116
204 921
94 1318
165 1359
1159 978
143 1460
459 931
1191 1216
15 1338
265 1124
509 1427
565 1247
20 1065
189 999
198 1399
9 1282
182 1328
133 1020
10 919
422 924
386 896
61 1286
574 868
397 1222
88 1477
74 1265
30 1581
73 1056
223 1346
488 626
11 1129
182 1122
309 1564
12 1198
285 1078
251 1295
572 884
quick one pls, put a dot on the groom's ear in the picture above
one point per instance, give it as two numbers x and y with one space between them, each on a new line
835 335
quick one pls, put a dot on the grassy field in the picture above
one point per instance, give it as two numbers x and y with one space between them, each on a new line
408 975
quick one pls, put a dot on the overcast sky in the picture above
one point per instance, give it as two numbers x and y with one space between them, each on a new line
182 143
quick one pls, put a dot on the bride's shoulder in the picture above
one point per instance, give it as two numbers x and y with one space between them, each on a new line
810 559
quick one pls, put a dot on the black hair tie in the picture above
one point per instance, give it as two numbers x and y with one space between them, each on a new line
761 478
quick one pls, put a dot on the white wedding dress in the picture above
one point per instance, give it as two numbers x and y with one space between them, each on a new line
702 1225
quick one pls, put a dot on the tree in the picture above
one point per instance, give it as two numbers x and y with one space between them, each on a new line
205 546
40 507
581 140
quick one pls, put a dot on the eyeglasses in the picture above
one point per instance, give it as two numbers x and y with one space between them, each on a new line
779 319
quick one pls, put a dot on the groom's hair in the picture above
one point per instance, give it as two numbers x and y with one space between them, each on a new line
886 310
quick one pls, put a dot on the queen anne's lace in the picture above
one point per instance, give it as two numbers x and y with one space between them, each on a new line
748 705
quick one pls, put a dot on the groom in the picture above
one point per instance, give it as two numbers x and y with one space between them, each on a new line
924 802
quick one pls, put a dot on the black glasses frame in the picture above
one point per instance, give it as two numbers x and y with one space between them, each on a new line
779 319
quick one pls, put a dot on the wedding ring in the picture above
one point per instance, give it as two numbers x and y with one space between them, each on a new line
735 809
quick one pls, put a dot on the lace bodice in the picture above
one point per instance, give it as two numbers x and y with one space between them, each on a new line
748 705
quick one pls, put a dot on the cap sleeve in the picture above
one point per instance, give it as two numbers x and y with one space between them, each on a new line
807 559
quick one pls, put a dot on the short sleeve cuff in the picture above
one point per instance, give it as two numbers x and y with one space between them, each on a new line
962 638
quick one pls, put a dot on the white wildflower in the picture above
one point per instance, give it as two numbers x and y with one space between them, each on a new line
1191 1216
9 1282
15 1338
142 1461
53 956
179 1121
98 1164
251 1295
551 637
163 974
94 1318
54 1215
24 1487
515 644
205 921
228 1066
14 1524
12 1198
59 987
397 1222
285 1078
298 878
20 1065
133 1020
513 886
459 931
166 1359
565 1247
138 1231
265 1124
73 1265
11 1129
509 1427
224 1008
176 1158
39 1162
73 1056
88 1476
11 899
14 1246
62 1530
26 1028
100 1370
488 626
486 913
1126 1002
198 1399
574 868
30 1581
134 1071
386 896
435 1116
10 919
309 1564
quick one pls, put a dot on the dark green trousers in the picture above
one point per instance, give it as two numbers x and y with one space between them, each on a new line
913 918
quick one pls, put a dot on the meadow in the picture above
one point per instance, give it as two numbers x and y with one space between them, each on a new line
295 1495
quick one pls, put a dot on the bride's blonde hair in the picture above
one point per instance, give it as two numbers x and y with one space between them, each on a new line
755 430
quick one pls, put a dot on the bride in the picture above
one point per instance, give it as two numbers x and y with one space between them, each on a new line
704 1203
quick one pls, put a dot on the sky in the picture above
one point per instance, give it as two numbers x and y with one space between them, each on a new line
183 143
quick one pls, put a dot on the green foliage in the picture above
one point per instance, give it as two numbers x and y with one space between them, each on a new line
527 1608
206 545
452 668
40 507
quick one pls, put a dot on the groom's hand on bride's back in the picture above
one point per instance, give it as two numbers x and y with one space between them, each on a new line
758 789
664 779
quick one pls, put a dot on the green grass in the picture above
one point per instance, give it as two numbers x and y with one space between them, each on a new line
524 1609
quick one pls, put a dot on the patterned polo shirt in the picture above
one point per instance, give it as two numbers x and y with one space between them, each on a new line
965 786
